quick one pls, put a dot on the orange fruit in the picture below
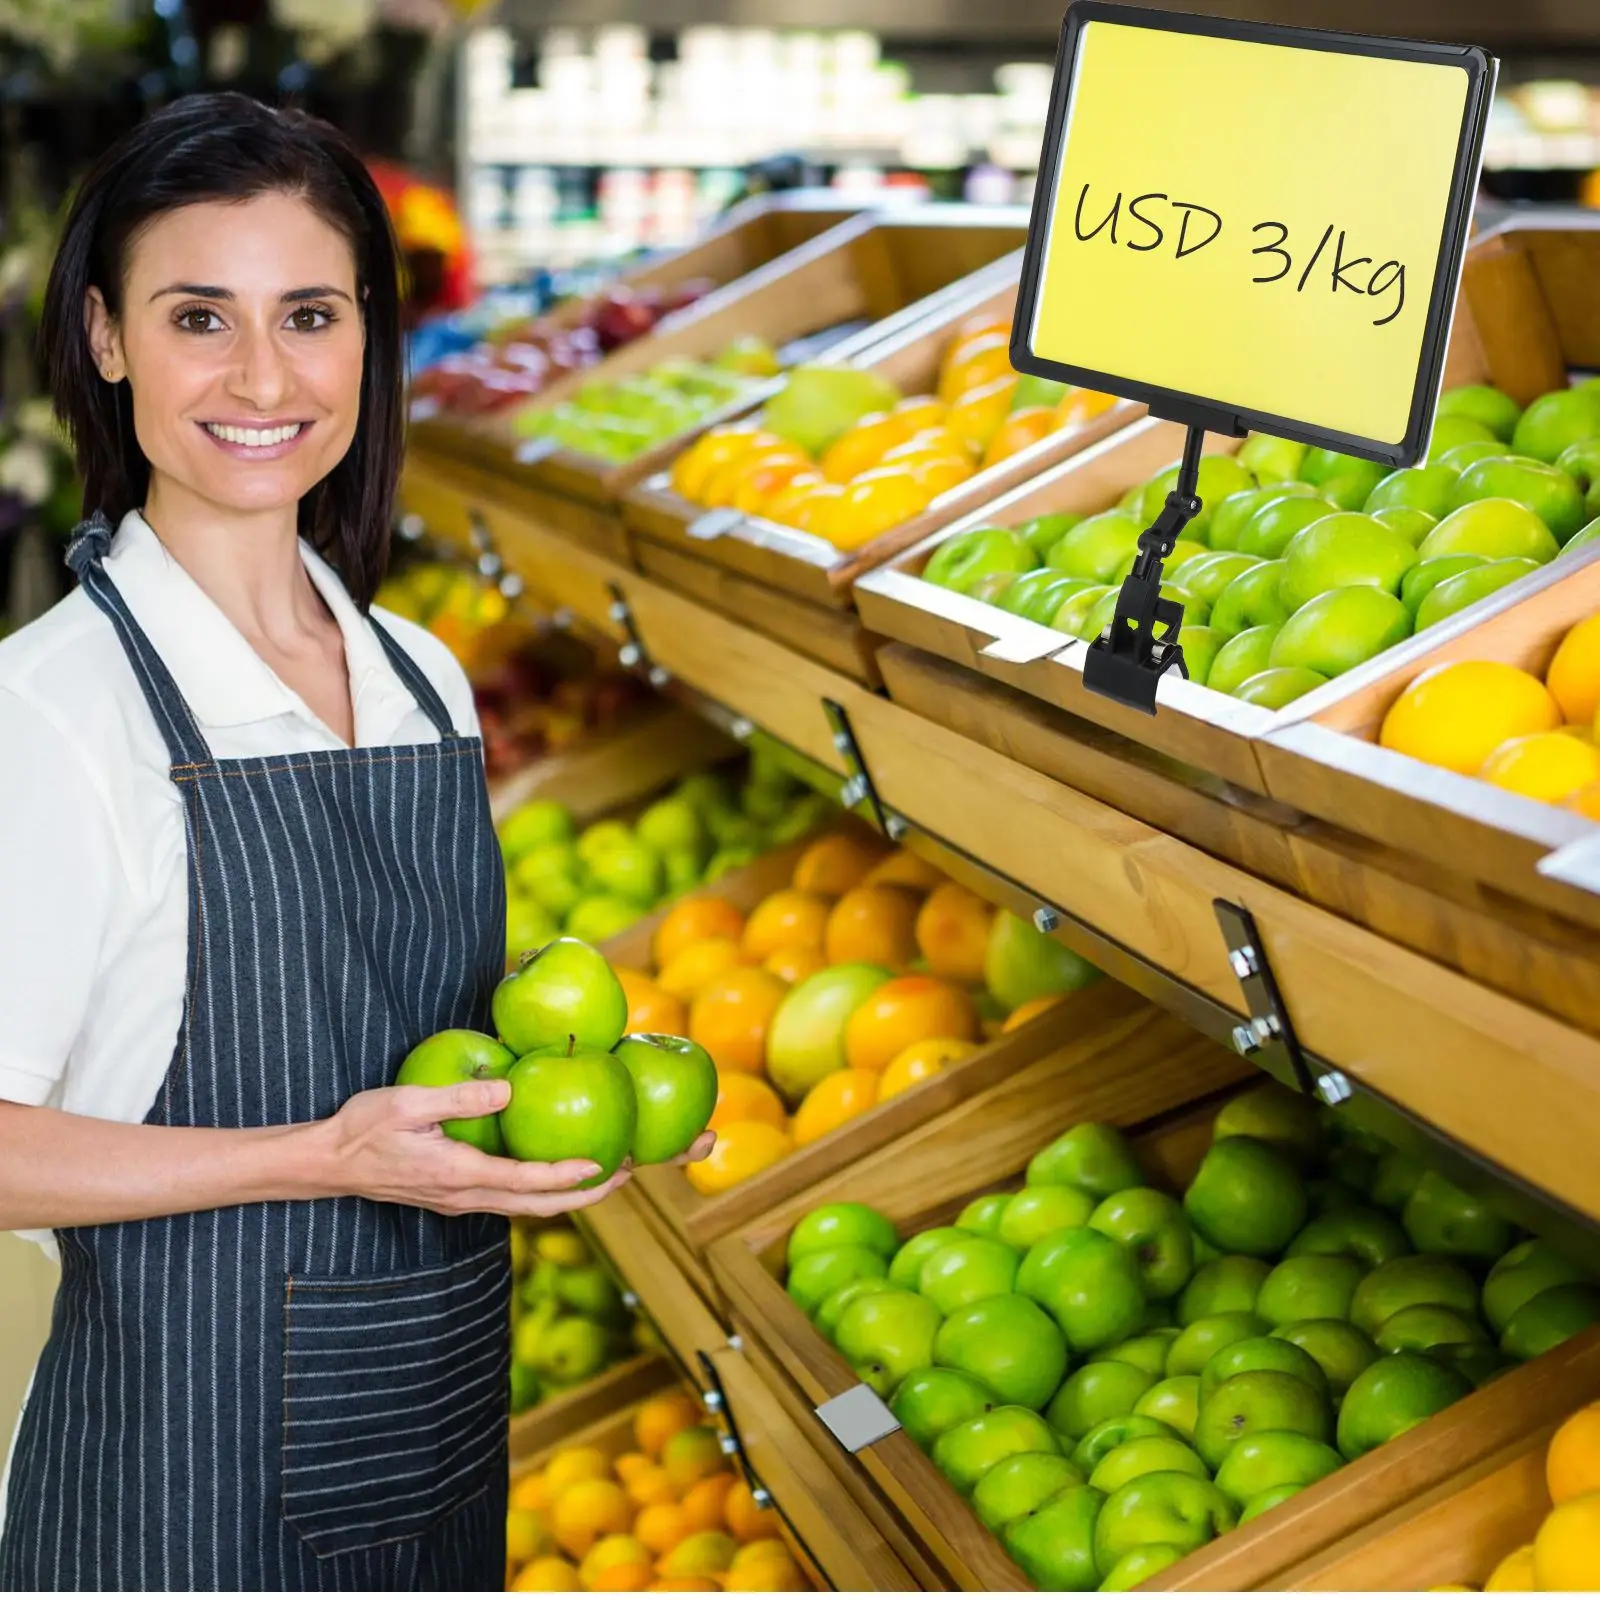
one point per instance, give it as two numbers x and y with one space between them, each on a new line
788 920
725 483
1020 430
1572 1463
731 1014
628 1578
701 1555
1029 1009
952 932
836 863
691 970
904 1012
834 1101
660 1527
1566 1549
973 361
713 449
657 1420
860 448
743 1097
763 1567
907 871
691 1454
576 1465
650 1487
1078 406
1458 714
980 413
939 475
586 1512
746 1520
615 1550
767 476
743 1149
783 506
872 503
1543 766
650 1008
1586 802
526 1536
919 1061
794 966
874 924
628 1467
547 1575
693 921
813 513
703 1505
530 1493
1574 675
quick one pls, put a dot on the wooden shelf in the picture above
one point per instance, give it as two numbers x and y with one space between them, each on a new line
546 1425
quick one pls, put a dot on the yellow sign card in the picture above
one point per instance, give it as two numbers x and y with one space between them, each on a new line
1253 224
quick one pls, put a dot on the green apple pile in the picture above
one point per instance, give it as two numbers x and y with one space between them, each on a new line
1304 563
579 1089
620 420
568 1319
594 883
1114 1377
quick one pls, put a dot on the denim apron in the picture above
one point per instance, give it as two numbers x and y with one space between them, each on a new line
296 1394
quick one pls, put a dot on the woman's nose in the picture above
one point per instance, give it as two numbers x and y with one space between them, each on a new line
262 377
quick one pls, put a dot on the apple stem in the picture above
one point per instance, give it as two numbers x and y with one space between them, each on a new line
572 1043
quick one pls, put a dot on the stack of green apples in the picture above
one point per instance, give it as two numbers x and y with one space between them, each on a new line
1113 1377
1305 563
594 883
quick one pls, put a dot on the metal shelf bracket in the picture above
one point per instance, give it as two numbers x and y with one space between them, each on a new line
632 653
858 785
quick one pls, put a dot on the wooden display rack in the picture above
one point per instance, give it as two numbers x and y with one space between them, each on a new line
798 583
553 1421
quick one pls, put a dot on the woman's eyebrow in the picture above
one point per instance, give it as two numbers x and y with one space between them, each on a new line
316 291
212 291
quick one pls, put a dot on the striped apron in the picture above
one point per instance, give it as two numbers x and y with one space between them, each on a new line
292 1395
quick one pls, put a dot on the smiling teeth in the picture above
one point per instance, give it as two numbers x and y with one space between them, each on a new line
254 438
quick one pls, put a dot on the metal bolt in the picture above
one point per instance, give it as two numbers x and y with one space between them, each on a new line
729 1444
562 618
630 655
741 728
841 742
490 565
1244 1040
853 792
412 527
762 1497
735 1342
1046 920
896 828
1244 962
659 677
617 611
711 1400
630 1301
480 536
1334 1088
511 585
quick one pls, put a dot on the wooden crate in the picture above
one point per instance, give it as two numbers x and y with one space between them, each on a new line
1524 317
797 585
546 1426
925 1181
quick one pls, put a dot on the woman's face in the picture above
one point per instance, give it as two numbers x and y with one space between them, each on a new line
241 341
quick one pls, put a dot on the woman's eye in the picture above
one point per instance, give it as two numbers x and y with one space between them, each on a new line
308 319
198 319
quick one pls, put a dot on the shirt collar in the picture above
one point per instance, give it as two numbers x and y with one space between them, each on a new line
221 677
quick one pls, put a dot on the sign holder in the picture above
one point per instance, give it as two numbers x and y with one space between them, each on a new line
1141 642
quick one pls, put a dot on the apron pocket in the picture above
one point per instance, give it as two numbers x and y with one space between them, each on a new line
394 1399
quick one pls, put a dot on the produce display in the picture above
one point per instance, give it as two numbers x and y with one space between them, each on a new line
840 453
1564 1556
1500 723
595 882
868 974
1113 1377
1304 563
665 1515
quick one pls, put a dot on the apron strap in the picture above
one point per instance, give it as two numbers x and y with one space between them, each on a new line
85 555
413 677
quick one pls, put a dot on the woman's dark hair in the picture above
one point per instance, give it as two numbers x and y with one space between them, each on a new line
228 147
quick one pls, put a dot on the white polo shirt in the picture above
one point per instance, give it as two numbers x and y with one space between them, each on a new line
94 903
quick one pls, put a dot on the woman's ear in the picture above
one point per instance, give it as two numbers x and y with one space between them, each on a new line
105 341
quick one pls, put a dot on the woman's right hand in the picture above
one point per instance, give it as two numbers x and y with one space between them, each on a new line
386 1144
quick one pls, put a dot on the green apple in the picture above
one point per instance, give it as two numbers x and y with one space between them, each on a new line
1138 1458
1270 1501
1276 1116
1175 1402
1345 548
1550 1318
1254 599
1467 588
1230 1283
1219 477
1095 1393
1522 1272
458 1055
1337 1194
1088 1283
1581 463
846 1222
1206 575
1269 532
529 926
1096 547
1414 526
1395 1393
1555 421
1092 1157
1396 1180
572 1349
1443 1220
570 1104
816 1276
1270 460
1494 529
1152 1225
1038 595
1264 1354
971 1449
681 868
1055 1542
1362 1233
1452 432
1035 391
1231 515
672 824
1426 576
993 587
1139 1566
837 1303
982 1216
963 559
1411 1281
1241 658
886 1335
534 823
968 1270
600 837
1072 615
1042 532
1164 1508
526 1390
1422 1328
1469 452
1430 489
930 1401
1207 1335
1340 1348
1279 686
1200 646
1042 1209
1259 1402
1548 492
1021 964
1183 550
1495 410
591 1291
552 874
1267 1461
1247 1197
1009 1345
1020 1484
675 1086
1114 1432
1340 629
599 917
905 1266
1101 612
1309 1288
1146 1350
1477 1362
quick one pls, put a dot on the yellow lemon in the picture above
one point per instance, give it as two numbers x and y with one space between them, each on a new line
1566 1551
568 1467
1574 675
1543 766
1457 715
1515 1573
